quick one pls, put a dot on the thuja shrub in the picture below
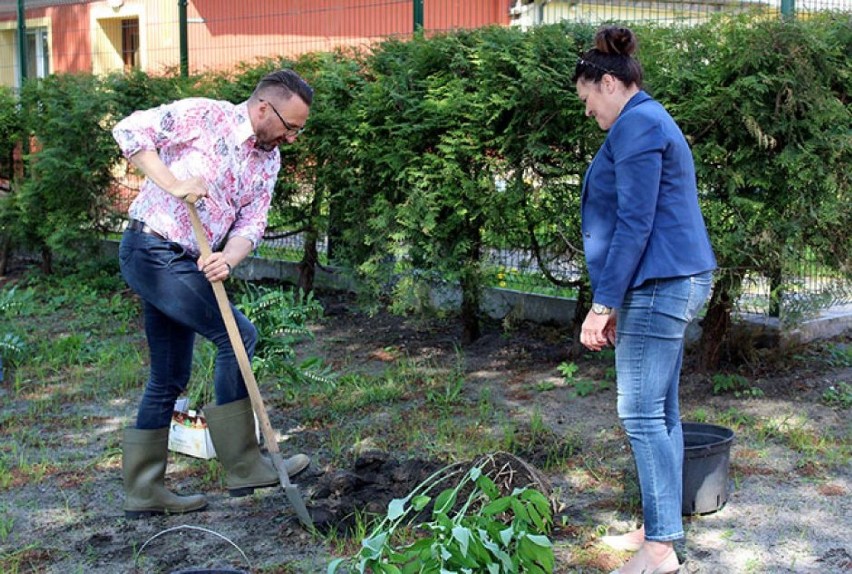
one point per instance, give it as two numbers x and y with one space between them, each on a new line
471 138
11 138
765 105
318 173
62 204
459 135
421 155
11 129
137 90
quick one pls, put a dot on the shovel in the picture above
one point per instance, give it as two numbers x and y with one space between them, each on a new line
291 490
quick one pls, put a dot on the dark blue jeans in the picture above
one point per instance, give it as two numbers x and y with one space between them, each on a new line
178 302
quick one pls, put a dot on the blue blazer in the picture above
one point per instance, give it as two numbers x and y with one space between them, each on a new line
640 212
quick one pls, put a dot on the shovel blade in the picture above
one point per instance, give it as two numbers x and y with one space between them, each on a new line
298 504
292 492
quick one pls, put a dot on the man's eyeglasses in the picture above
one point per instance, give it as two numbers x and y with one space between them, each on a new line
289 128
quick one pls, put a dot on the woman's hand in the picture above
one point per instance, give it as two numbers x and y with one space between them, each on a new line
598 331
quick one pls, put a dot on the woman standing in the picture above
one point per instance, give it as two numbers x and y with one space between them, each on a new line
650 264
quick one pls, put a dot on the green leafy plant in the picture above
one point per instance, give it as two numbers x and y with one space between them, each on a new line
586 387
12 348
839 395
12 344
738 385
473 528
568 370
544 386
200 389
840 355
452 390
448 395
581 387
13 301
281 317
7 524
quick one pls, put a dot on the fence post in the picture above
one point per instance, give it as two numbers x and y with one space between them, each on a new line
788 9
22 41
184 42
418 15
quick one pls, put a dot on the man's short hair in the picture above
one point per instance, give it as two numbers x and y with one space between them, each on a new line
286 83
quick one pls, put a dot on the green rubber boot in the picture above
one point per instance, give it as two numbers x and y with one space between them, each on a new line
232 431
144 467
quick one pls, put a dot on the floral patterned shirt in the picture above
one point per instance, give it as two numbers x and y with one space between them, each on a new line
213 140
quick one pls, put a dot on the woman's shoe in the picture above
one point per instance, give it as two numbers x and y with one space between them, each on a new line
657 571
620 543
627 542
663 568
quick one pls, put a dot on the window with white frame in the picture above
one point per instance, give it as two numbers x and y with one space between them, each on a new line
38 53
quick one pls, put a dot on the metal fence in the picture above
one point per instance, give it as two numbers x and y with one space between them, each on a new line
38 37
801 293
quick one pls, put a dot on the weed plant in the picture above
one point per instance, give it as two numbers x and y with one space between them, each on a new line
734 384
282 317
473 527
583 387
839 395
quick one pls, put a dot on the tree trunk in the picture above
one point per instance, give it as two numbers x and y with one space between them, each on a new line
5 251
333 233
582 308
776 291
46 261
471 287
716 325
308 265
310 257
471 328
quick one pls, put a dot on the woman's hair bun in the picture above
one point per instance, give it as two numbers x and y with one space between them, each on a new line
616 40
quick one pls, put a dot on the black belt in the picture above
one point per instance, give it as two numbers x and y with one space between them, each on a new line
142 227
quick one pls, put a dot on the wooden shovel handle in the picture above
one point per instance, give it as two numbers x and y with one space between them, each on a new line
237 343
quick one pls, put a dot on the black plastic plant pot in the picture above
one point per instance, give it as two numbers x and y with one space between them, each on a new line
706 461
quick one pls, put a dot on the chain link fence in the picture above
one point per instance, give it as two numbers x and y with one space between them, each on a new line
193 35
40 37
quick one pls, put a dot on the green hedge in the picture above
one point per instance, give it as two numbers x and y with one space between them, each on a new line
422 153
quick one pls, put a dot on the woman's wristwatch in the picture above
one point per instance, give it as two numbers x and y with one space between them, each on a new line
599 309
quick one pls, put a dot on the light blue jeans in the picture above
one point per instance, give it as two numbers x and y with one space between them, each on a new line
648 355
178 302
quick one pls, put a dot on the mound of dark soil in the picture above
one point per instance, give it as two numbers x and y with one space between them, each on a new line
340 497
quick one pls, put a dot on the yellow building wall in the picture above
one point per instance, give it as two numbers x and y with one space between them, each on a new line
162 41
105 30
159 39
8 55
9 48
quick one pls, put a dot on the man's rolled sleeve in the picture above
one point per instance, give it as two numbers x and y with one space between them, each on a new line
166 125
136 132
